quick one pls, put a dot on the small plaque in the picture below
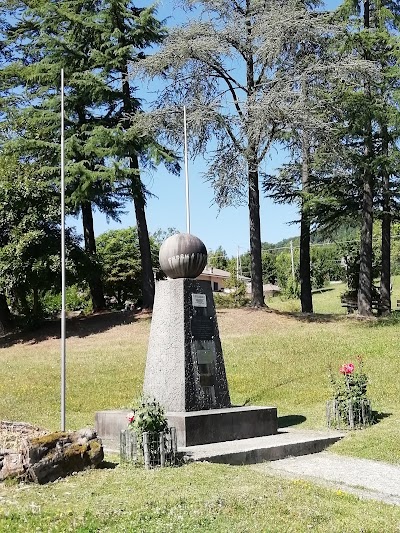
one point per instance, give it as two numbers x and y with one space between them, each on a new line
202 328
199 300
207 380
205 357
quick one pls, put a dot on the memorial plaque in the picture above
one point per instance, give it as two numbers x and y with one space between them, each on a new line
202 327
204 352
199 300
205 357
207 380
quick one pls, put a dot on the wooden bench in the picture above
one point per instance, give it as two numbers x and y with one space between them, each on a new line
352 305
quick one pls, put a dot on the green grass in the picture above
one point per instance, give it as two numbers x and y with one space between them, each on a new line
195 498
273 357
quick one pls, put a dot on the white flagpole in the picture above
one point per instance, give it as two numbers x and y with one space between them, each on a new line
186 172
63 322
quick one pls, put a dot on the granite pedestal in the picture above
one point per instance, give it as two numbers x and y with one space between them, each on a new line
185 370
220 425
197 427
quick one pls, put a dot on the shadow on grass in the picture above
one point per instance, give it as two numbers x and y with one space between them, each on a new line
75 327
107 465
369 322
311 317
378 417
290 420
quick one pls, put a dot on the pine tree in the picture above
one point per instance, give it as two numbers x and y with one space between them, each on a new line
93 42
376 40
310 133
228 68
127 32
44 38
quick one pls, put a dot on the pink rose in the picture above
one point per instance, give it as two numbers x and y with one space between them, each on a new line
131 417
347 368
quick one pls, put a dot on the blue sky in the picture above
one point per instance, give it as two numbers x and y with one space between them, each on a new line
228 227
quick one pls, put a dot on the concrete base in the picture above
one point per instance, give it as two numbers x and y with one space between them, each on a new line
197 427
108 425
286 443
219 425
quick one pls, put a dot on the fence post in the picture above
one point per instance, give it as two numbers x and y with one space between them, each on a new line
351 414
122 445
174 446
146 450
161 445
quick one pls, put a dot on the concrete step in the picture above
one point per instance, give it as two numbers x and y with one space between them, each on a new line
286 443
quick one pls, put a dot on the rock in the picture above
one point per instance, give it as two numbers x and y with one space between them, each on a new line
129 305
52 456
11 466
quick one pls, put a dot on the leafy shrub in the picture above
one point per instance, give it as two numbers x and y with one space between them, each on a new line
76 299
147 416
292 289
237 296
230 300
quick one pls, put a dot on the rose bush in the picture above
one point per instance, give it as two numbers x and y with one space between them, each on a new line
147 416
351 404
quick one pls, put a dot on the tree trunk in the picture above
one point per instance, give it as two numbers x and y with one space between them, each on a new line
5 315
257 289
36 302
144 245
386 237
305 262
94 278
305 275
255 241
139 202
365 279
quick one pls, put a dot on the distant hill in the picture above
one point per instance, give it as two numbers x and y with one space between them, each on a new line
344 233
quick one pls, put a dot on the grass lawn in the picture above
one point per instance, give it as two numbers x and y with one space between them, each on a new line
273 357
195 498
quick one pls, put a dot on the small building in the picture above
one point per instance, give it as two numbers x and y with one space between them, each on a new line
218 278
268 289
215 276
271 290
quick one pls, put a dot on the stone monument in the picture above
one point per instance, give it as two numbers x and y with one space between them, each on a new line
185 368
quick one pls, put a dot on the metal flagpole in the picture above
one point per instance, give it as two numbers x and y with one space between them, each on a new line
186 172
63 324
